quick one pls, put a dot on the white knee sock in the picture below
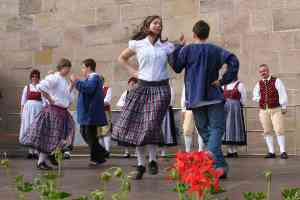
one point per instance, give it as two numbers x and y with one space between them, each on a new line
107 143
163 151
30 150
141 155
270 144
42 158
188 140
200 143
126 150
152 152
281 142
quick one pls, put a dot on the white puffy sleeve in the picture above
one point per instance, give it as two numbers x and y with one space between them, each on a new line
24 96
256 93
169 47
121 101
283 97
48 83
108 96
243 92
132 44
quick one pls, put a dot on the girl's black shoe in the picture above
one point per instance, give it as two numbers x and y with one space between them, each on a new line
140 170
43 166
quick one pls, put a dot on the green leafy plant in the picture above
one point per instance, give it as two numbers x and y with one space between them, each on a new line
59 157
291 194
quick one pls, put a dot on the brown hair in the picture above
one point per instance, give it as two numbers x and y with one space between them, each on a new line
144 31
63 63
35 72
132 79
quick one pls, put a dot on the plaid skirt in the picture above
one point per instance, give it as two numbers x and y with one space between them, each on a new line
142 114
53 128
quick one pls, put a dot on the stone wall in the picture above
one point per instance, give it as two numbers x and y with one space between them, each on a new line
36 33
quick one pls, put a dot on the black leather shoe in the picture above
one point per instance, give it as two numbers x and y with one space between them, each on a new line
43 166
284 156
106 154
140 170
153 168
35 156
232 155
127 155
270 155
29 156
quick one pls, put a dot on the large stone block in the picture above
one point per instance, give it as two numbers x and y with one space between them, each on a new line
275 4
297 40
292 4
289 61
73 37
52 37
28 7
284 19
63 52
9 8
171 8
122 32
43 57
119 72
77 19
207 6
132 12
261 20
30 40
235 22
244 5
10 41
19 23
108 14
268 57
19 59
97 35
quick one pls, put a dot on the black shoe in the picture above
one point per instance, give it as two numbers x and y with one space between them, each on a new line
29 156
140 170
153 168
284 156
96 163
53 160
270 155
106 154
43 166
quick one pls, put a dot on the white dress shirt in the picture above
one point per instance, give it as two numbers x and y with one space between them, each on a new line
283 98
58 88
152 59
241 88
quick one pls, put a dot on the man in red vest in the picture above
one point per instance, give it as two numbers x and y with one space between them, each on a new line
271 95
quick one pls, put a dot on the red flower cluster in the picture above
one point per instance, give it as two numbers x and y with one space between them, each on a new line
196 170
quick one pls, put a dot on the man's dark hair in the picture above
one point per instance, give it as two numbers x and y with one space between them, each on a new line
201 29
90 63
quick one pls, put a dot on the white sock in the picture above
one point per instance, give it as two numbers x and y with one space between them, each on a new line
200 143
126 150
30 151
152 152
188 140
42 158
270 144
107 143
163 151
141 155
281 142
101 141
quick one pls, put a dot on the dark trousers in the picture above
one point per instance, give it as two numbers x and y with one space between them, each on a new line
89 134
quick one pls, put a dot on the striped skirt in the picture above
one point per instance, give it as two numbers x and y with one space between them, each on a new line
53 128
235 132
142 114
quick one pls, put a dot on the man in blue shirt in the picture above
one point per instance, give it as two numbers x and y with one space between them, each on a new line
90 110
202 62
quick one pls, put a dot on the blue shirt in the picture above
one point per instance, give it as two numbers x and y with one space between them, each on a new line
202 63
90 104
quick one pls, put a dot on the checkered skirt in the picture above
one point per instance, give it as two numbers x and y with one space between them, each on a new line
53 128
142 115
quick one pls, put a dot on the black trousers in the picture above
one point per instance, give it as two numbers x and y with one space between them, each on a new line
89 134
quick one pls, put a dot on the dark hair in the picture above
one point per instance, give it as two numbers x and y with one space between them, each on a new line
201 29
90 63
132 79
144 31
63 63
263 65
35 72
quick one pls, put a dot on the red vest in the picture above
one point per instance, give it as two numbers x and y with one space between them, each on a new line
106 107
233 93
31 95
269 97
